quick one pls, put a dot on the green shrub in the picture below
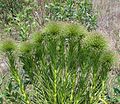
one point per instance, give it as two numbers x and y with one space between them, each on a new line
64 63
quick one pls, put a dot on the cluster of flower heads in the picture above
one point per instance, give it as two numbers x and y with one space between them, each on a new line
89 41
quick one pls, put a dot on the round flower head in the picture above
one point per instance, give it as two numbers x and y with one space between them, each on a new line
74 30
8 46
37 38
108 58
52 28
95 41
25 47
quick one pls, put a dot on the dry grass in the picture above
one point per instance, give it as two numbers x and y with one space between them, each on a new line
109 20
109 26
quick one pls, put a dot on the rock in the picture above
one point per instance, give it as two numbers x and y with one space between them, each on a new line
3 67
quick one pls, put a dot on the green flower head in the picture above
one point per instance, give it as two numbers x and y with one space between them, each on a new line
8 46
52 28
37 38
74 30
95 41
25 47
108 58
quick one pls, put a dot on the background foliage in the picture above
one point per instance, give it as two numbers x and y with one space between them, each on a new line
19 18
75 11
16 18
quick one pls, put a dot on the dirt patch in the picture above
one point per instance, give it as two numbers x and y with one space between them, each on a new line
109 20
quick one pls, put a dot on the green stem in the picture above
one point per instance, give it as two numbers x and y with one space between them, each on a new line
72 91
17 78
55 86
103 101
23 91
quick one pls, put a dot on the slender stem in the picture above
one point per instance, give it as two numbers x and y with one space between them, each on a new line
103 101
55 86
72 91
23 90
17 78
